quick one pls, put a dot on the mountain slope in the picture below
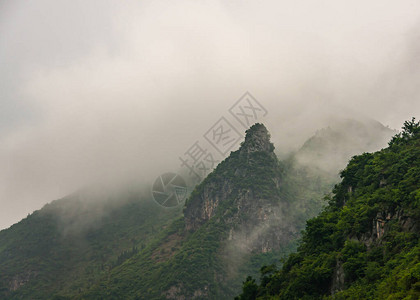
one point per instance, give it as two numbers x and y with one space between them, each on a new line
330 148
312 171
247 213
365 244
239 203
67 245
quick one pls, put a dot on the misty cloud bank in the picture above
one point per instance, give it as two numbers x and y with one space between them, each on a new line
104 90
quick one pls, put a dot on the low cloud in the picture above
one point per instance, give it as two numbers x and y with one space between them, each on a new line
105 90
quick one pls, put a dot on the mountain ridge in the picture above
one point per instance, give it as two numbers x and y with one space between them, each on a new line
365 243
117 237
238 197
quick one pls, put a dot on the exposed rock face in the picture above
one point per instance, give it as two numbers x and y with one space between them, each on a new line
380 226
20 280
203 206
244 192
257 139
338 278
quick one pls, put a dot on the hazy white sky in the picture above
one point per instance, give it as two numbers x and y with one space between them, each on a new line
94 89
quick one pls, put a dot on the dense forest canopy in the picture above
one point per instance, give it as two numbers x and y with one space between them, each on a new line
365 243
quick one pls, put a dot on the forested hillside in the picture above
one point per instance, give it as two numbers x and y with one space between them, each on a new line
237 214
365 243
70 243
247 213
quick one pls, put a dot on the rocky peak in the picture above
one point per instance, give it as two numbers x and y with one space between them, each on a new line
243 193
257 139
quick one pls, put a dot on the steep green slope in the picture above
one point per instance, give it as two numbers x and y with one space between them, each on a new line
239 203
365 244
247 213
67 245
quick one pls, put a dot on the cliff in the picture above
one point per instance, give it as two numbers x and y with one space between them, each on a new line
244 192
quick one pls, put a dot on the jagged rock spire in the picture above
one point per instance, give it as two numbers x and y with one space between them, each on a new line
257 139
248 177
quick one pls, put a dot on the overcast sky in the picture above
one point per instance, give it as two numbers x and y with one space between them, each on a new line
94 89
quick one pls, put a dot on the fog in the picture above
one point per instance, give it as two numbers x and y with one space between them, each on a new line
101 91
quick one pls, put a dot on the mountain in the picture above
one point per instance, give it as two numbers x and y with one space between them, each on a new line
247 213
365 243
70 243
312 171
237 212
330 148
